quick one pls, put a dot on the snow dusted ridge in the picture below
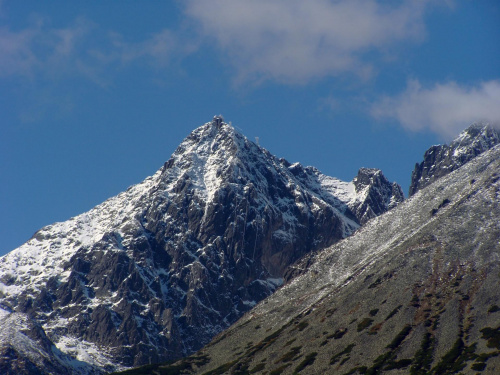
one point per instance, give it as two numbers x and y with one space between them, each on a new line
48 253
440 160
419 281
155 272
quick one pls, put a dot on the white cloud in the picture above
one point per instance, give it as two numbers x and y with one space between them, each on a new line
16 56
295 41
445 109
160 48
41 49
40 60
82 48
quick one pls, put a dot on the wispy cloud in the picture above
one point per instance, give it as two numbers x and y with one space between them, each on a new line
40 60
445 109
82 48
295 41
39 48
286 41
159 49
16 56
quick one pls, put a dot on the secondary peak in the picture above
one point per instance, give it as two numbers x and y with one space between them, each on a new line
217 121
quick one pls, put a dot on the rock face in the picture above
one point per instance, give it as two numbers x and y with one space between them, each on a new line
155 272
25 349
375 194
442 159
414 291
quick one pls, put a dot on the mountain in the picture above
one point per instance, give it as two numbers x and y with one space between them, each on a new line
442 159
374 194
414 291
155 272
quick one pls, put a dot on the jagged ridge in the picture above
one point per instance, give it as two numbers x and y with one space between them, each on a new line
153 273
413 291
442 159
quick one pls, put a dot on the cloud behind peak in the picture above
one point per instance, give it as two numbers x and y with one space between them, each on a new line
293 41
445 108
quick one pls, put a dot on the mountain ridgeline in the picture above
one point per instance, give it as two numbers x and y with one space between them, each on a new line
156 272
442 159
414 291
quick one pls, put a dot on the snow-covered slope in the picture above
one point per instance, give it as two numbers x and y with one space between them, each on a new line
413 291
155 272
440 160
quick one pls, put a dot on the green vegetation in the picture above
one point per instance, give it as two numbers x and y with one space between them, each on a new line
338 334
493 336
338 356
480 366
481 360
386 361
393 312
423 358
279 370
400 337
221 369
170 368
291 355
360 369
375 283
258 368
269 340
455 360
444 203
379 362
344 360
436 323
302 325
396 365
483 357
374 329
365 323
309 360
330 312
493 308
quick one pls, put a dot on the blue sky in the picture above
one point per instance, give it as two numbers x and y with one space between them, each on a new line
95 95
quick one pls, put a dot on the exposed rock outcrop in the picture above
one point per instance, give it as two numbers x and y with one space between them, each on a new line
442 159
155 272
414 291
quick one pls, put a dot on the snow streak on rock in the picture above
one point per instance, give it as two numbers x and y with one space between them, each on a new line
442 159
155 272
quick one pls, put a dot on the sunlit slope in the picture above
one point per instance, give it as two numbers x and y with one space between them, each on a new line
415 291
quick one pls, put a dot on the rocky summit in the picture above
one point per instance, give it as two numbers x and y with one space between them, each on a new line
156 272
442 159
414 291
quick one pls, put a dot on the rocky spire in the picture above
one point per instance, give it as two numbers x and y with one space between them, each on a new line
375 194
442 159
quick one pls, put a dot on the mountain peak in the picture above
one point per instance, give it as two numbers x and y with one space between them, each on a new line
479 136
415 291
155 272
374 194
440 160
209 156
217 121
